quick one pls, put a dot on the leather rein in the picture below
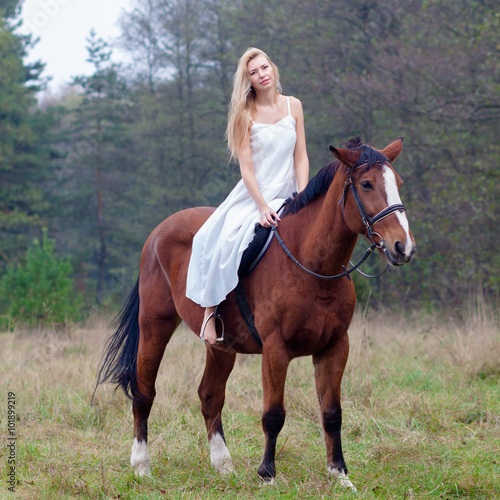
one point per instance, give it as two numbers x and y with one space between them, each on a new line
368 222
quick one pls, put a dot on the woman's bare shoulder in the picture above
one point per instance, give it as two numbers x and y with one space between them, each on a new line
295 106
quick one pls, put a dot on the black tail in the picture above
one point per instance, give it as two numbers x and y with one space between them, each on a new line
119 362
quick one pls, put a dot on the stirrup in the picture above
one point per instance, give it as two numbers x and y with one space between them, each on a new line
216 316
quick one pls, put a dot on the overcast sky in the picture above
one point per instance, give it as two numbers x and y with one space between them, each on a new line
63 26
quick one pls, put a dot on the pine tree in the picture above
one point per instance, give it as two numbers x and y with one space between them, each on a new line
40 290
95 171
23 154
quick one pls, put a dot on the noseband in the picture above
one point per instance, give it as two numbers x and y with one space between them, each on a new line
368 222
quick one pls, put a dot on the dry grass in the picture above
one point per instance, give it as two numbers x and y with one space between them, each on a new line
421 416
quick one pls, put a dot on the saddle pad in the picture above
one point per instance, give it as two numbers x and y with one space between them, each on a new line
256 250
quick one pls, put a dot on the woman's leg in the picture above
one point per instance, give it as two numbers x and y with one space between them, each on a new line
208 331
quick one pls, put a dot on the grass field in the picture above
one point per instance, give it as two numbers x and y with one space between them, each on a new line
421 400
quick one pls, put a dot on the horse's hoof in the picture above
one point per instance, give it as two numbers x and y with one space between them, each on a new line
220 458
139 460
142 471
225 469
224 466
346 483
267 481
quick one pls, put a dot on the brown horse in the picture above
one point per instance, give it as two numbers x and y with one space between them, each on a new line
296 313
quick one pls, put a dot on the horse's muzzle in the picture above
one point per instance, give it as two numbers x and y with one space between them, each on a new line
398 255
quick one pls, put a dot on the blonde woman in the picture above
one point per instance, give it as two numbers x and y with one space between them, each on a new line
265 133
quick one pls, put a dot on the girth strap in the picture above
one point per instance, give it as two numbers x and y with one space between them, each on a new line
246 312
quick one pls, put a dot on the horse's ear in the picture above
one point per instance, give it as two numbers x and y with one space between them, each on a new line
392 151
345 156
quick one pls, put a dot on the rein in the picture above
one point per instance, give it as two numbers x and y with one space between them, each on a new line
368 222
346 272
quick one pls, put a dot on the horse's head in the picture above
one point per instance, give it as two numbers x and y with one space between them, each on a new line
372 205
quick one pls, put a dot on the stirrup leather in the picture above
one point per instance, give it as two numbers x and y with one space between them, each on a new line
216 316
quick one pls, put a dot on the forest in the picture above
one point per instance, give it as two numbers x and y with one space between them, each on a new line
97 167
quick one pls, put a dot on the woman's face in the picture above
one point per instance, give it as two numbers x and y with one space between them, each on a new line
261 73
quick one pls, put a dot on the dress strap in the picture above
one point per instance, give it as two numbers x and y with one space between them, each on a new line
288 102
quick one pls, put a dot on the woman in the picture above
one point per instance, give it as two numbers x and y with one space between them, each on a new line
265 133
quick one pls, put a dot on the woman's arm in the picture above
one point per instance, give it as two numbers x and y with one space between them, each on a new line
268 215
300 155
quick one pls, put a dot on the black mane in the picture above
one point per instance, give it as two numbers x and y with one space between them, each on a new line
320 183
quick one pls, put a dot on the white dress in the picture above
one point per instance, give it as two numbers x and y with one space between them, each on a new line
221 241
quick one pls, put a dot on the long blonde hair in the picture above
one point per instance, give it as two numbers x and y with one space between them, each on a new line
243 101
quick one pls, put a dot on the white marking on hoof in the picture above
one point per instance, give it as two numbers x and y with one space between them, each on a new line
342 477
140 458
220 458
271 481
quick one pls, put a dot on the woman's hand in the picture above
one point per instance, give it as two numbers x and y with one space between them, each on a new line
268 217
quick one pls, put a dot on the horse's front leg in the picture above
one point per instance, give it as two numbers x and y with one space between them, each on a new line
329 368
212 393
274 368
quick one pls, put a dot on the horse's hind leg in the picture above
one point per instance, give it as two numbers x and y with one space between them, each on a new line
329 369
212 393
154 337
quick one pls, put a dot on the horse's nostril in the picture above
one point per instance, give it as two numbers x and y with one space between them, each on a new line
399 249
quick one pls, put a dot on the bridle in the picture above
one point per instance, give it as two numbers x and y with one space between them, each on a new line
368 222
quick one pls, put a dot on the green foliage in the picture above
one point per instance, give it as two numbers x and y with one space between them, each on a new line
94 173
23 150
9 8
143 142
41 290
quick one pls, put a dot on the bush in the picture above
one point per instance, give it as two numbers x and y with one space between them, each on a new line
41 290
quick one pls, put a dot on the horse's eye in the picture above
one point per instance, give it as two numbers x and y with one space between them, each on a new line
366 185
